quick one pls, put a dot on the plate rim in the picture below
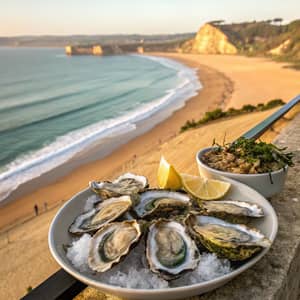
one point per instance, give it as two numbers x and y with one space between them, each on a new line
113 289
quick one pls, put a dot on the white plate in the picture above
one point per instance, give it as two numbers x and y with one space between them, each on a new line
59 236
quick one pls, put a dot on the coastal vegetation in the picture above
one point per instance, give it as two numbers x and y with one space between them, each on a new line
220 114
268 38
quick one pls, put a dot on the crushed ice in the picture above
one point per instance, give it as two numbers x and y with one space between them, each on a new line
138 279
90 202
209 267
78 252
133 272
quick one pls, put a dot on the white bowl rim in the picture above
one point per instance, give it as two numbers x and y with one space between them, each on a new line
107 287
224 173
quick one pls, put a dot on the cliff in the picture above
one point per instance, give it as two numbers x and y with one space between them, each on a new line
123 48
84 50
263 38
281 49
98 50
209 40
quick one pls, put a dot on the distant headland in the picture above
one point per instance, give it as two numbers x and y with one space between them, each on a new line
268 38
99 50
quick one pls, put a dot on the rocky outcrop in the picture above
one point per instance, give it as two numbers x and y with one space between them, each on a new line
97 50
84 50
279 50
140 50
209 40
104 49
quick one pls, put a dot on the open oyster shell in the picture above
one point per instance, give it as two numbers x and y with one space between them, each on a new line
170 250
162 204
227 240
103 213
111 243
232 211
126 184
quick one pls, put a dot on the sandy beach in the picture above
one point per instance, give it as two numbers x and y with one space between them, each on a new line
228 81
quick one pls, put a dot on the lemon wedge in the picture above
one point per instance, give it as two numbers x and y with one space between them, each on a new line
203 188
167 176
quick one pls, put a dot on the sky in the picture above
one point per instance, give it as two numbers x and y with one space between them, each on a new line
63 17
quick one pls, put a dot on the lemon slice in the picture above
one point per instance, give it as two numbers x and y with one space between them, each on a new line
167 176
203 188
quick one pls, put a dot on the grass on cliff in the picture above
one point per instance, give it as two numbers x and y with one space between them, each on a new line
258 38
219 113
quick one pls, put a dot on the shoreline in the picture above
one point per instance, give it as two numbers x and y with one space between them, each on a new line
99 139
31 192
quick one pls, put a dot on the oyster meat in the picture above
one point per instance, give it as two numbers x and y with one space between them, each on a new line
126 184
233 211
111 243
103 213
233 241
170 250
162 203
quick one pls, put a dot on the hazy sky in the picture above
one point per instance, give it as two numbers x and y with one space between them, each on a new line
22 17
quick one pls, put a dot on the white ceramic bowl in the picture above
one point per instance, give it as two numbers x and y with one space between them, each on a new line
59 236
265 183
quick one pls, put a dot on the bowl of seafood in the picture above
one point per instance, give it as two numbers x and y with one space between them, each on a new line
259 165
139 242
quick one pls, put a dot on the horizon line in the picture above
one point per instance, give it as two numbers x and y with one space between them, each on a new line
285 22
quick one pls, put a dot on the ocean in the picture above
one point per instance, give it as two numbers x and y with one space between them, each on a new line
53 107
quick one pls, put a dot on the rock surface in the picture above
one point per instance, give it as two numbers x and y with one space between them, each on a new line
209 40
276 276
281 48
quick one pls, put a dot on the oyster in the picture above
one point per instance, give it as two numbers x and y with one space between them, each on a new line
227 240
111 243
170 250
232 211
103 213
126 184
162 203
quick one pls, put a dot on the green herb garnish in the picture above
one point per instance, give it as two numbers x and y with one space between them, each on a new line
248 156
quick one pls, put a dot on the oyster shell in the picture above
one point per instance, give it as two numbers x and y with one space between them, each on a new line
102 214
162 203
126 184
111 243
232 211
170 250
227 240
